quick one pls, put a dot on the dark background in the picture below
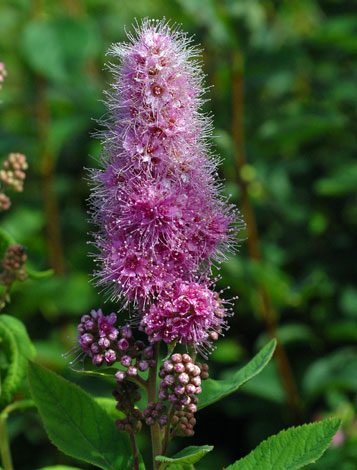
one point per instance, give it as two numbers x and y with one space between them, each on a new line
284 96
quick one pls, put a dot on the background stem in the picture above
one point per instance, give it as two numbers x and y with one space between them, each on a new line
265 305
5 445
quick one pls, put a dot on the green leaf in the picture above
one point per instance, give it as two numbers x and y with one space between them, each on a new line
109 405
187 456
59 467
33 274
17 348
290 449
214 390
75 422
16 366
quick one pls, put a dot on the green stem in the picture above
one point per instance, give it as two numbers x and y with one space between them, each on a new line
167 429
155 429
139 381
134 451
5 445
17 405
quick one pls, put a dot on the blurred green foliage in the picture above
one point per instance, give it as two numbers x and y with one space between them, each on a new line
299 115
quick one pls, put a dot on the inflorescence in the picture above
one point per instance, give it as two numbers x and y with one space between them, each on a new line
162 224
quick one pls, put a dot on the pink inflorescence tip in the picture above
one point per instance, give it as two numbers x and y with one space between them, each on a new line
162 218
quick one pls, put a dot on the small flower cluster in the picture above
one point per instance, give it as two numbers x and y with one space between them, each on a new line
3 73
189 313
12 176
14 265
13 172
105 344
156 412
126 394
97 337
180 382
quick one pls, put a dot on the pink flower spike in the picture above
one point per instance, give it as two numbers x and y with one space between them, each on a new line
159 210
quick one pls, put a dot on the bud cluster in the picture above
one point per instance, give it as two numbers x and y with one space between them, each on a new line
13 172
105 344
126 394
97 337
3 73
134 356
14 265
156 412
182 423
181 382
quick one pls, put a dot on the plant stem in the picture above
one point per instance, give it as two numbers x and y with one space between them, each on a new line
167 429
5 445
266 308
18 405
155 429
134 450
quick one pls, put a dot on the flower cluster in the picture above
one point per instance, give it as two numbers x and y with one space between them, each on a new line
12 176
13 172
3 73
161 216
14 265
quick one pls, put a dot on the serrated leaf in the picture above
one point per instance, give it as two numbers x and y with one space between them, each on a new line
188 456
75 423
214 390
291 449
15 371
18 349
